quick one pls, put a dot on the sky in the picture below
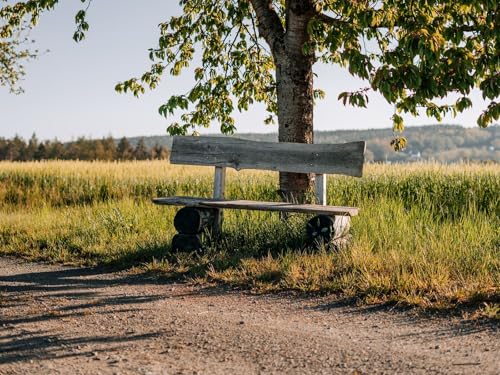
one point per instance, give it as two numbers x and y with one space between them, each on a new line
69 90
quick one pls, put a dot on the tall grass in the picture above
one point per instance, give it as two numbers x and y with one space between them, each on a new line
448 191
427 234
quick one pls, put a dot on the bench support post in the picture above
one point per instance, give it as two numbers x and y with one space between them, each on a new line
219 188
320 181
332 231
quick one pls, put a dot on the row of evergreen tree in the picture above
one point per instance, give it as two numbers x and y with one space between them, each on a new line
18 149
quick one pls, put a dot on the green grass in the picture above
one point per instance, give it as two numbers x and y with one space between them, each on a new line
427 235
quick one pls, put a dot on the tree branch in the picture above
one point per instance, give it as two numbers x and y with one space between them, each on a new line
329 20
335 21
269 24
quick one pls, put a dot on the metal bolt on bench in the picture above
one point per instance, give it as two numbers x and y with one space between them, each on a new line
199 214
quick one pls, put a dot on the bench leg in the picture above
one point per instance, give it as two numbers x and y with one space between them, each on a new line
187 242
217 224
219 191
194 220
192 225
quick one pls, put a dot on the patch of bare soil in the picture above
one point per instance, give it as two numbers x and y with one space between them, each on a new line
61 320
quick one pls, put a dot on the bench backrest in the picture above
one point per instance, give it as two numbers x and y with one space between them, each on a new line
344 158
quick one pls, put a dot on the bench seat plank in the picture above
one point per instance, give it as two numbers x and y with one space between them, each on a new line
257 205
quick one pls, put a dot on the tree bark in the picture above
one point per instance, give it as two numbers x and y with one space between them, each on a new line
294 79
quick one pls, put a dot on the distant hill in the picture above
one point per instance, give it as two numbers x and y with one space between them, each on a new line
445 143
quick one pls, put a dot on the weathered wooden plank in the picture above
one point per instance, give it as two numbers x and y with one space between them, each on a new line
257 205
219 191
345 158
219 182
320 181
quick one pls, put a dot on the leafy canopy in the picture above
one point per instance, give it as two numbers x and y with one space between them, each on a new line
413 52
14 51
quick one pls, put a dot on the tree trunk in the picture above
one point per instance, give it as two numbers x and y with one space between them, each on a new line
294 78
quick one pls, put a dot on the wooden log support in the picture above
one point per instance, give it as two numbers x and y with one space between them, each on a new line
194 220
320 181
341 226
186 242
325 229
219 189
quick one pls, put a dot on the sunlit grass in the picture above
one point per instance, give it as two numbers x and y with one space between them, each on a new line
427 234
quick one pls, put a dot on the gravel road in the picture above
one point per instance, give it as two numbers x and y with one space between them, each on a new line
61 320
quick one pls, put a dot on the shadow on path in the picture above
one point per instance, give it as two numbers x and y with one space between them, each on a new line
41 345
449 322
54 295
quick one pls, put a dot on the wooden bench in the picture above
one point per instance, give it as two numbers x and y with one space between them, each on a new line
200 214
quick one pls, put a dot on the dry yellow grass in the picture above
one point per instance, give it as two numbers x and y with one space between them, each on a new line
428 234
159 168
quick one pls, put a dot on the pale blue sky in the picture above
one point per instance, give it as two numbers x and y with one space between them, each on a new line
69 91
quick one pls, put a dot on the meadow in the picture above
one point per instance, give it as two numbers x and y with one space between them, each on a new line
427 234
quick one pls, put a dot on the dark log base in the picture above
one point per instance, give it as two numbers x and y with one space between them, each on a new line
320 228
329 231
194 225
193 220
340 243
187 242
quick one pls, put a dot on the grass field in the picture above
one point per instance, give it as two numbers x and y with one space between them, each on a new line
427 234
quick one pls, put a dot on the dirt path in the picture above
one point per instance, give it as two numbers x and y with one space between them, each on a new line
59 320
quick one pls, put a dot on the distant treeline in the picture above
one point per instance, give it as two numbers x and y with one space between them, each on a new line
443 143
440 142
18 149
